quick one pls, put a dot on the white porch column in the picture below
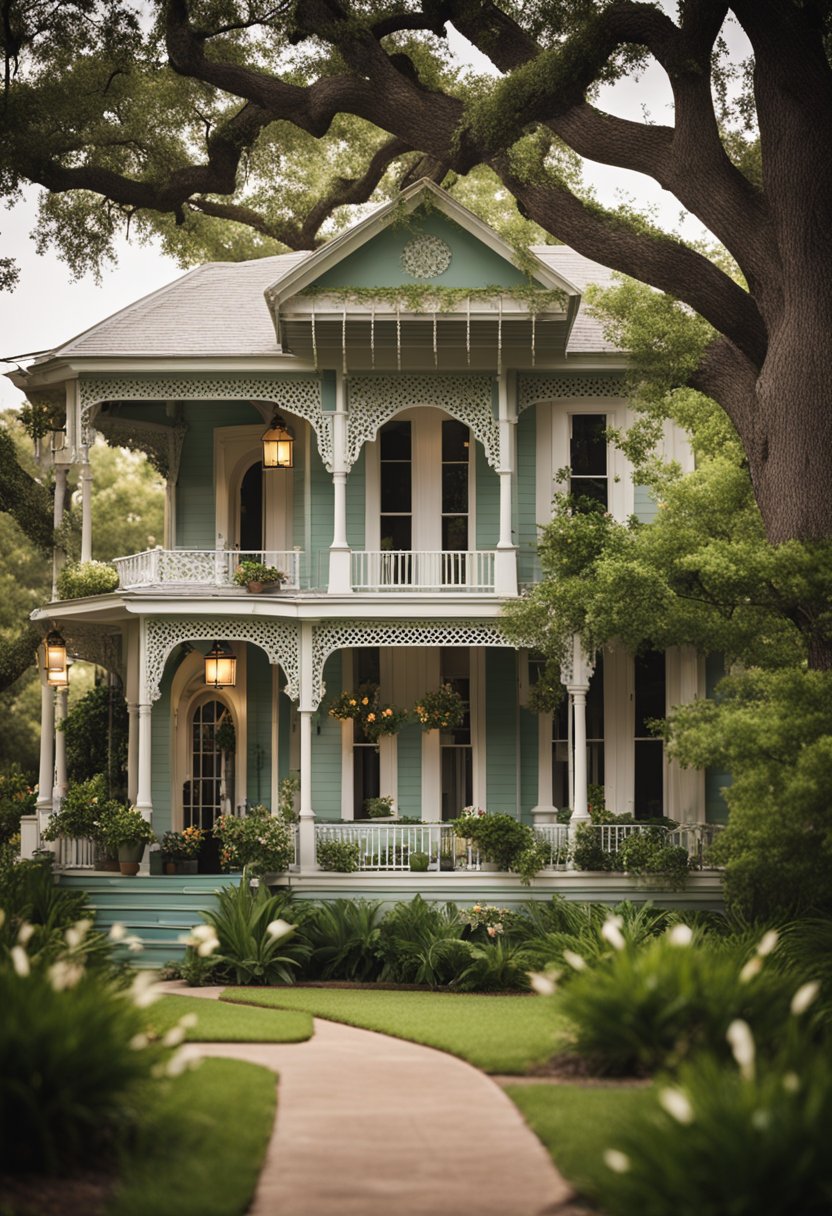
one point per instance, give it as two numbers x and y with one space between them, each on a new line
132 752
505 572
57 518
47 743
576 673
340 580
545 811
306 710
132 647
60 783
86 505
144 784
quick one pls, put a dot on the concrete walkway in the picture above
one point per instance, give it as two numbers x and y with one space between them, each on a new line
369 1125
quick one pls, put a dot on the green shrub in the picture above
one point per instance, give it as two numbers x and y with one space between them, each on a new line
378 808
253 940
500 838
16 799
344 936
29 896
84 811
743 1145
498 965
652 1006
587 853
342 856
648 853
77 1068
551 930
258 843
419 862
421 943
78 579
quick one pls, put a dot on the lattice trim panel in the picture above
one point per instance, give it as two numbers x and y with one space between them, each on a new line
547 388
374 400
161 444
299 395
332 636
95 645
279 639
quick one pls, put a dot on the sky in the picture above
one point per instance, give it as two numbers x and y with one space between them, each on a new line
48 307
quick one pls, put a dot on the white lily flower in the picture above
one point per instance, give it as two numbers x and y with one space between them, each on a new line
76 933
174 1036
186 1057
677 1104
279 928
576 961
616 1161
138 1042
188 1020
63 975
751 969
611 932
118 931
24 933
768 942
680 935
741 1040
804 997
144 990
20 961
541 983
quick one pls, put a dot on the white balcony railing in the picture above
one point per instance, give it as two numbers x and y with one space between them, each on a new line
75 853
395 569
200 567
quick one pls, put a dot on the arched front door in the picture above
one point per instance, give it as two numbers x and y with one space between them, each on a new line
251 510
209 788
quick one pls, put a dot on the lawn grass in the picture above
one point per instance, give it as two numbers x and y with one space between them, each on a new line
222 1023
577 1123
499 1034
200 1149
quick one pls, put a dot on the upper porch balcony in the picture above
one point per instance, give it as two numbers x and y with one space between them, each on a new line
384 571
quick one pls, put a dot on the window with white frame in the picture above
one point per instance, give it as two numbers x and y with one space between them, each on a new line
650 705
589 476
457 769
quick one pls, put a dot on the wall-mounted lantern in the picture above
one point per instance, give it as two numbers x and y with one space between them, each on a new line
278 445
220 666
55 662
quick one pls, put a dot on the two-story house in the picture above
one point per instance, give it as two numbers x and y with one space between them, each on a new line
422 396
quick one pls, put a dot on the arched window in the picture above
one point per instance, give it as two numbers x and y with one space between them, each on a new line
209 788
251 510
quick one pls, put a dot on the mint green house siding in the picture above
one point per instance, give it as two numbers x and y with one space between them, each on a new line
320 519
378 263
528 732
525 521
259 716
356 489
326 770
488 502
409 792
645 507
195 495
284 729
501 730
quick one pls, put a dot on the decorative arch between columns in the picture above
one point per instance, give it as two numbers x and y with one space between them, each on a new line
279 640
374 400
332 636
541 386
298 395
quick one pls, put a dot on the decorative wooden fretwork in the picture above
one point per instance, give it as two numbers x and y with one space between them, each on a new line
552 387
279 639
298 395
333 635
374 400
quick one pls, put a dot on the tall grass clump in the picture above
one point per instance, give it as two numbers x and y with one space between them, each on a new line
421 943
344 938
739 1138
76 1062
248 939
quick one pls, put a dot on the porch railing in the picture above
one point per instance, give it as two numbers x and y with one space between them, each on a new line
201 567
394 569
74 853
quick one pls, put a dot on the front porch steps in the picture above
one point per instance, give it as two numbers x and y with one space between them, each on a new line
158 910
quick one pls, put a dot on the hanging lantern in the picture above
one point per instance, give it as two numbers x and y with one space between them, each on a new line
55 658
278 445
220 666
59 679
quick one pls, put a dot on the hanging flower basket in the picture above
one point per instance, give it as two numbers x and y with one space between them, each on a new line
440 710
384 720
354 705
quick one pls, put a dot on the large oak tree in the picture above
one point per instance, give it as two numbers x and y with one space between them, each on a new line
277 116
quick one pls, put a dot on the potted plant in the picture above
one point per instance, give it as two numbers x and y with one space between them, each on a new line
257 576
419 862
258 843
500 838
440 710
379 808
128 832
180 850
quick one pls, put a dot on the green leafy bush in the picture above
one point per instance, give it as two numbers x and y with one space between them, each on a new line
500 838
84 811
342 856
422 943
126 825
16 799
258 843
651 1006
78 579
499 965
77 1066
648 853
253 940
378 808
419 862
344 936
560 929
258 572
721 1139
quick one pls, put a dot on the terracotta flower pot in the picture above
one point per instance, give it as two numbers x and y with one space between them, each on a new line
130 856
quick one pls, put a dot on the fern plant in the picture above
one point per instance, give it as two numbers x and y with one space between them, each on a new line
248 950
344 935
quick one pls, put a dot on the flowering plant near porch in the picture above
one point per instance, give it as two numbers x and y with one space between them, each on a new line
355 704
384 720
440 710
363 706
182 844
259 842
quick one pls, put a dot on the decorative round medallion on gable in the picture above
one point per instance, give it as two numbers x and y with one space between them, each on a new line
425 257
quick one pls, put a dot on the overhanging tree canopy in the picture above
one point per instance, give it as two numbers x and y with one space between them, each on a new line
277 116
